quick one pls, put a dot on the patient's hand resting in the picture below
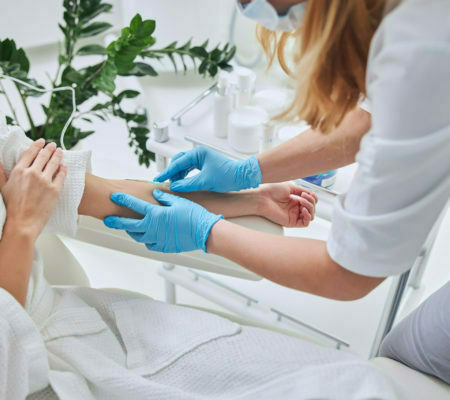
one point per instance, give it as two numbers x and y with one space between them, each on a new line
287 204
33 188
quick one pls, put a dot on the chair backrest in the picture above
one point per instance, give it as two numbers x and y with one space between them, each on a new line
60 265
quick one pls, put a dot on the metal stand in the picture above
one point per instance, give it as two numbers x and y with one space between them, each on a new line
243 305
171 292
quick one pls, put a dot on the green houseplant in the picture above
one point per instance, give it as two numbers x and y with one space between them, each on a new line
133 53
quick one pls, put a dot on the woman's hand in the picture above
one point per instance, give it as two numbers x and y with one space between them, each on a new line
181 225
287 204
217 172
33 188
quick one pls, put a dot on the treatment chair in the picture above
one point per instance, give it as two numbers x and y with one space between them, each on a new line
409 384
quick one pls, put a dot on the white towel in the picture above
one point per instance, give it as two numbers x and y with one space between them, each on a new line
13 143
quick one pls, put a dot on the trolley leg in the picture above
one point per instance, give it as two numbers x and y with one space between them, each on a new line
171 294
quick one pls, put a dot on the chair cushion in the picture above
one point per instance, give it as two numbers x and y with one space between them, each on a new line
411 384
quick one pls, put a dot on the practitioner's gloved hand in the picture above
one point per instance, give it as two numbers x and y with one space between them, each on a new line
179 226
217 172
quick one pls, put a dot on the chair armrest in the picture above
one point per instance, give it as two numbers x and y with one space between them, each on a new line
95 232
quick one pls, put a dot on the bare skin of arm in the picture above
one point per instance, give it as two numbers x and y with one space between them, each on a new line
284 204
298 263
312 152
96 199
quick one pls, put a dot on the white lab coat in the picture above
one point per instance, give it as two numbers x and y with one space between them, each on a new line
403 179
82 343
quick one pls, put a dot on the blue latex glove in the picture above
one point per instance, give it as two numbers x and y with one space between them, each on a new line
217 172
180 226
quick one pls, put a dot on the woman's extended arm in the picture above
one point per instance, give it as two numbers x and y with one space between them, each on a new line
312 152
298 263
96 199
285 204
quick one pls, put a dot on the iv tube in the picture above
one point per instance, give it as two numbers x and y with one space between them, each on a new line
59 89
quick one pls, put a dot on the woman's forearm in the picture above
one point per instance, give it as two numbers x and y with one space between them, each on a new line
96 200
298 263
16 259
313 152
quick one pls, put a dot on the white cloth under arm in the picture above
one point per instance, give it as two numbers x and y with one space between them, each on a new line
422 339
13 143
403 180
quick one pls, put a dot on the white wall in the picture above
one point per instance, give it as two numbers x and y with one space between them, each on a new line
34 23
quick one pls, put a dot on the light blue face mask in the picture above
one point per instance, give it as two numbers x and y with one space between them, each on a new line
265 14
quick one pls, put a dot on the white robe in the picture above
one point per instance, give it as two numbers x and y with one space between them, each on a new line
82 343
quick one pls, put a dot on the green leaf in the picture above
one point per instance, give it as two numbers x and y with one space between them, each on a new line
127 94
70 76
139 130
94 12
14 63
203 67
105 81
9 52
123 51
100 116
101 106
94 29
135 23
91 49
199 52
216 54
212 70
142 69
230 54
8 47
146 28
174 63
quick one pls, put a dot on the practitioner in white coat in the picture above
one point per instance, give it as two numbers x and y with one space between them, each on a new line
397 55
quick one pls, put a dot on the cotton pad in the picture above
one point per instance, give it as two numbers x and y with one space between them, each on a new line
161 184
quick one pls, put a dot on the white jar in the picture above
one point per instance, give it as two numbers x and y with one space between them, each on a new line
246 127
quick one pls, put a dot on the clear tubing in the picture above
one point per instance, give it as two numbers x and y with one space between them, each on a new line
59 89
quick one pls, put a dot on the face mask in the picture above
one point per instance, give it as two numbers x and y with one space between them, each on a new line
265 14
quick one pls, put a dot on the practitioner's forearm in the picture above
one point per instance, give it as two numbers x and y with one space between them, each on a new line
313 152
96 200
16 259
298 263
246 202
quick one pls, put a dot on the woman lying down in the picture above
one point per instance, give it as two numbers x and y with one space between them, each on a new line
82 343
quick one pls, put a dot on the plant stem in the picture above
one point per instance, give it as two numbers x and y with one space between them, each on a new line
169 51
8 100
95 74
33 129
